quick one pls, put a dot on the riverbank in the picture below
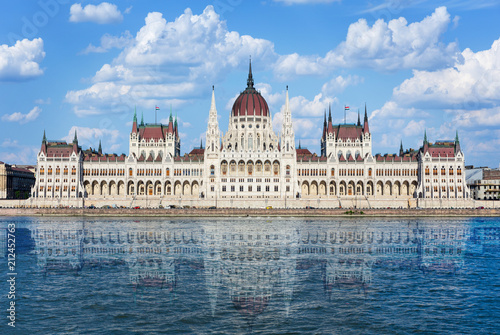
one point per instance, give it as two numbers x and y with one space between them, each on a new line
239 212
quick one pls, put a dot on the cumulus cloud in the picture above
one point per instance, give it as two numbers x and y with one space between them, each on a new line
338 84
109 42
22 118
472 82
14 153
170 60
385 46
22 60
103 13
90 137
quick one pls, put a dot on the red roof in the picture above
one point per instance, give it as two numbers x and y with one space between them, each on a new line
197 151
443 152
250 102
301 152
347 131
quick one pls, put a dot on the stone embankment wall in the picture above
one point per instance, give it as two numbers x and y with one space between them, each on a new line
236 212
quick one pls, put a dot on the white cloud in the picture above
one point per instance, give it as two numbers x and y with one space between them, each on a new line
102 13
15 153
47 101
384 46
339 83
170 60
91 136
471 83
22 118
486 117
22 60
414 128
109 42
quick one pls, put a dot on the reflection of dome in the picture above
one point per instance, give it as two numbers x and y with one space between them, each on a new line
251 306
250 102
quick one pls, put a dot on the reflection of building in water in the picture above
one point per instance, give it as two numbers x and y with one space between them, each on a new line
256 266
443 248
253 263
59 250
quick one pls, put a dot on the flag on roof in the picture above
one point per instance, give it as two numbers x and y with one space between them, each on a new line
346 108
157 108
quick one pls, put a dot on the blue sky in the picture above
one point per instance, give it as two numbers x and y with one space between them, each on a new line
418 65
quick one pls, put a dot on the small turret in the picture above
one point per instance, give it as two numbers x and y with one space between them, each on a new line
134 122
401 151
366 128
457 143
426 143
99 151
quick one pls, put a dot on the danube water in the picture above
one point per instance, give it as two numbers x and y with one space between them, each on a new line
252 276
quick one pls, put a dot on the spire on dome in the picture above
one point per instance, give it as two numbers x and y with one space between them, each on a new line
250 78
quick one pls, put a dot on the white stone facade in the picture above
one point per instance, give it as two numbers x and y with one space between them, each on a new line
253 166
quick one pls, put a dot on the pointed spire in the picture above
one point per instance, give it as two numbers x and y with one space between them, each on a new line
250 78
75 139
44 137
201 143
299 145
100 148
135 114
401 149
359 122
142 119
457 143
366 128
425 137
212 105
170 119
287 102
324 122
329 113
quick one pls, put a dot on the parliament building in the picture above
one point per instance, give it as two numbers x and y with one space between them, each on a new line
250 165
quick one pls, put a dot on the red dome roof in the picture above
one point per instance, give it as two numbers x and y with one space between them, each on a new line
250 102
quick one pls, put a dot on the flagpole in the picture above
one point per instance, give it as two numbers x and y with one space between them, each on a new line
155 115
344 114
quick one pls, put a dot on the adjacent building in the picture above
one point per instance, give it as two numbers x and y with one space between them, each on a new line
484 183
16 181
250 165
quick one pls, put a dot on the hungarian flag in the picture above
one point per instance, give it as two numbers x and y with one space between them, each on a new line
346 108
157 108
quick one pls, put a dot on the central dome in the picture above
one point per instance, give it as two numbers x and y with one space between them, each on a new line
250 102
